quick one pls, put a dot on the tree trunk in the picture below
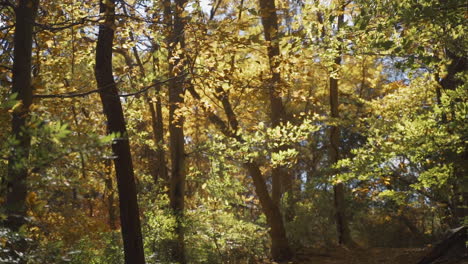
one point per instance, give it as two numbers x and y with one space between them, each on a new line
452 249
16 180
17 170
338 189
176 123
158 162
277 113
280 249
280 245
344 236
129 212
158 133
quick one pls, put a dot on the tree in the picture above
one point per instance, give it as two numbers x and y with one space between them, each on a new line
129 212
280 245
344 236
16 180
177 61
260 109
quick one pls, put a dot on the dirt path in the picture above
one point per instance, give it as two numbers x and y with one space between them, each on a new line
362 256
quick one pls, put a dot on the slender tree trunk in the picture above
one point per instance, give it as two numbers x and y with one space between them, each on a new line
158 134
16 181
280 249
176 123
344 236
158 166
282 179
280 244
129 212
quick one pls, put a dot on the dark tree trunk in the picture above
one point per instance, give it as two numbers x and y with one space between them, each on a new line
344 236
17 170
338 189
129 212
16 180
280 247
176 123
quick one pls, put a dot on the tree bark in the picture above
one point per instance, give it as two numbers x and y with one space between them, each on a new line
453 248
280 245
17 170
129 212
277 113
16 180
176 131
280 249
344 236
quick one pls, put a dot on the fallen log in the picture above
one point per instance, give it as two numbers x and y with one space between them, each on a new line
451 248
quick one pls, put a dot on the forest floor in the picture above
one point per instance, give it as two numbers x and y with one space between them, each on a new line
341 255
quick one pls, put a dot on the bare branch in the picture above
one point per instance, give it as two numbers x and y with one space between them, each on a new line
83 94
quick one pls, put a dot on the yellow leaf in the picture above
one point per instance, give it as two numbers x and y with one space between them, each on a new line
49 43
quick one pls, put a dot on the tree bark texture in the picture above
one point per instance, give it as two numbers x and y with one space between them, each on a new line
129 212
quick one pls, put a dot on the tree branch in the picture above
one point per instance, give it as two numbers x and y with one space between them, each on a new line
83 94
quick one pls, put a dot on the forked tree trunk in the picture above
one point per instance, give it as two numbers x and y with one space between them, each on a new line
129 212
280 249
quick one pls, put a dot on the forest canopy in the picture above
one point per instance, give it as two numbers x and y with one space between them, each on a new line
229 131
